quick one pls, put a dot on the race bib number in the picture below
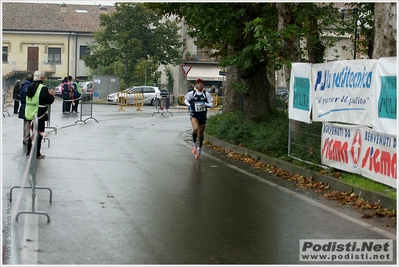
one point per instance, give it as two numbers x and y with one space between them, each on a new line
199 106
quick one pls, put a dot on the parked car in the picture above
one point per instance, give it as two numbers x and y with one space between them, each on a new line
57 90
282 95
151 95
87 87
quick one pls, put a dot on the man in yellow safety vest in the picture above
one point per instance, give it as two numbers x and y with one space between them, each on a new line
38 97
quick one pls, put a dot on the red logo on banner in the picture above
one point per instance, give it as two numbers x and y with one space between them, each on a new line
335 150
186 68
356 147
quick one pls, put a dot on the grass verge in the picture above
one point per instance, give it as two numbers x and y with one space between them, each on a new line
270 138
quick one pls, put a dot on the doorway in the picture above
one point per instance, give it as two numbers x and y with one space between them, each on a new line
33 59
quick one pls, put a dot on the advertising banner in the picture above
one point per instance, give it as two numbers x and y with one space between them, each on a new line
300 92
384 90
342 91
357 149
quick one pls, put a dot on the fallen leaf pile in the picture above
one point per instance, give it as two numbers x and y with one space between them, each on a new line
309 183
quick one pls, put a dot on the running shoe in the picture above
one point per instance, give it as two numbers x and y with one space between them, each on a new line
194 150
197 156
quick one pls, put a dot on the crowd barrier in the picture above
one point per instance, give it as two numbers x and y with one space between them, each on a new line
163 103
215 100
86 107
11 250
48 123
4 104
123 100
9 99
30 169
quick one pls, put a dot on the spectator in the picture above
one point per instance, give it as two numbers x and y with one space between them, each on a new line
66 103
21 115
15 96
213 89
220 93
77 92
38 97
164 92
191 87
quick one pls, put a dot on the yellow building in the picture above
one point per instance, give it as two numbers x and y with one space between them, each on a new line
49 37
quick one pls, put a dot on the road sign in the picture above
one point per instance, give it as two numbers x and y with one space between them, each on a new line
186 68
222 73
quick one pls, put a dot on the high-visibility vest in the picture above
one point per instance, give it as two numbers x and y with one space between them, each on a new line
32 104
79 87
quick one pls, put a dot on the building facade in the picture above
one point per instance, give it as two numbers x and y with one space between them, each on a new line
50 37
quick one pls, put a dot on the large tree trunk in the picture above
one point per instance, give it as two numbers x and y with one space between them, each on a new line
385 24
231 98
255 101
289 46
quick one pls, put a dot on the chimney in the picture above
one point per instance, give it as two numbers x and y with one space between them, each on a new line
103 9
63 8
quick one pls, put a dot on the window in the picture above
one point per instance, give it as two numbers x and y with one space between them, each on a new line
5 53
84 50
148 90
54 55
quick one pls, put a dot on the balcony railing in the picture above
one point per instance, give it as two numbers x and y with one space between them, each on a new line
198 55
15 67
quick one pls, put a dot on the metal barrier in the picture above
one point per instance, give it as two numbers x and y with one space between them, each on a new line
30 168
86 107
11 252
215 100
9 99
3 104
138 100
49 119
123 100
162 103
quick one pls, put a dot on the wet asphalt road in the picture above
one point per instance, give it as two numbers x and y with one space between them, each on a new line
127 190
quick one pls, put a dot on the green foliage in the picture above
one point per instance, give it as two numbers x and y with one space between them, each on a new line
367 184
169 76
129 35
269 137
221 27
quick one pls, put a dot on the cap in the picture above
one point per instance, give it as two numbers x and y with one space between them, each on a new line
199 79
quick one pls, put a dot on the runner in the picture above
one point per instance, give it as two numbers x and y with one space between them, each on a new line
198 101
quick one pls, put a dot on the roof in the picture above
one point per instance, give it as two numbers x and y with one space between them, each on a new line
19 16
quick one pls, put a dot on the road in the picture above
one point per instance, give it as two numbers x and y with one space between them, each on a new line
127 190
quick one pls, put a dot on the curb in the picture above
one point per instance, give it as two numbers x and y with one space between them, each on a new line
334 183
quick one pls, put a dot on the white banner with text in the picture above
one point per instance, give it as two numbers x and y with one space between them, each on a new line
358 149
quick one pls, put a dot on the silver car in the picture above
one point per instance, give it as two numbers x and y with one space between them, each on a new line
151 95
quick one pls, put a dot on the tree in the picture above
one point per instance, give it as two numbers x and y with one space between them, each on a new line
385 25
221 26
129 35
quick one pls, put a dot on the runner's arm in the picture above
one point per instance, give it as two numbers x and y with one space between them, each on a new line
209 103
186 99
